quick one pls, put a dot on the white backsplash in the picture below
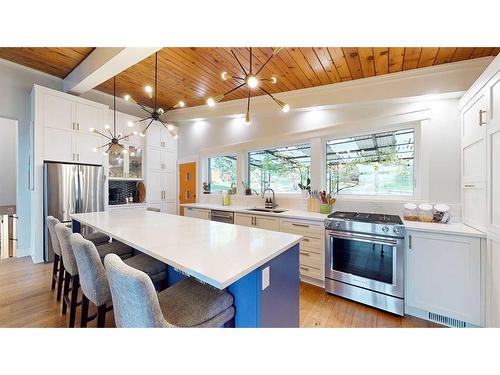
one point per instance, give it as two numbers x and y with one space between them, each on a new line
392 207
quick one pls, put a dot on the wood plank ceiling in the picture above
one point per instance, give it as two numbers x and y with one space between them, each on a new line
193 74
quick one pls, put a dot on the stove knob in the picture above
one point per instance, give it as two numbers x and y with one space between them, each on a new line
397 230
385 229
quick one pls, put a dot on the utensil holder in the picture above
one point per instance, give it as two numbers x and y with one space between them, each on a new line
325 208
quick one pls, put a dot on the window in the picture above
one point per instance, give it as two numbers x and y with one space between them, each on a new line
221 173
281 169
376 164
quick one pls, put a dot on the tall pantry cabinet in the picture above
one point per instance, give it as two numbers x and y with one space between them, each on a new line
161 169
480 121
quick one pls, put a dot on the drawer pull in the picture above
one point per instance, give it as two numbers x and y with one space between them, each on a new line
300 225
305 239
469 185
303 253
304 268
481 121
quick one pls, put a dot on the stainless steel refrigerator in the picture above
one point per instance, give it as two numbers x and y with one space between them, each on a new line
68 189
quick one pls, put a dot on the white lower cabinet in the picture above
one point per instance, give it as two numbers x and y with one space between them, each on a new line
198 213
257 221
312 253
494 284
443 278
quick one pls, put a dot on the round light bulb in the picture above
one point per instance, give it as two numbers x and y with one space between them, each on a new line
210 102
92 130
285 108
182 104
132 154
148 89
176 136
170 127
252 82
107 126
125 151
161 111
224 76
134 132
274 80
105 153
127 97
130 124
142 134
94 149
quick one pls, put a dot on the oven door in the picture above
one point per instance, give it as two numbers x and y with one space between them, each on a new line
370 262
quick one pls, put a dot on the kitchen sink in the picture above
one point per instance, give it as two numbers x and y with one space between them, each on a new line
273 210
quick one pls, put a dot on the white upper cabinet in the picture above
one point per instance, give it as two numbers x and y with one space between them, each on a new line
67 121
493 155
57 112
87 117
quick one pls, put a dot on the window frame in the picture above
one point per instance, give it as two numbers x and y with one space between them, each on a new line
209 174
413 125
306 141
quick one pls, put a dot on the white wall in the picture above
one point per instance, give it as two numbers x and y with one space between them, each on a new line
202 133
8 158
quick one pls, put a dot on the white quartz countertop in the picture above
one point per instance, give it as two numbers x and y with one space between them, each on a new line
216 253
291 214
450 228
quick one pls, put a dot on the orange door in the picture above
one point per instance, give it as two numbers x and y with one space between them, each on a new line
187 182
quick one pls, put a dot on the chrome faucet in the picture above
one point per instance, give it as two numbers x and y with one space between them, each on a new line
274 198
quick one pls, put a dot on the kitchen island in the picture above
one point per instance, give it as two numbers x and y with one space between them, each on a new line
260 268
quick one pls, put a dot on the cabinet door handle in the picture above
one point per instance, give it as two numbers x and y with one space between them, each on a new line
303 253
73 157
409 242
304 268
481 122
305 239
73 126
78 126
469 185
300 225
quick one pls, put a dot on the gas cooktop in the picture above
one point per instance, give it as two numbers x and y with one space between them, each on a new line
369 223
366 217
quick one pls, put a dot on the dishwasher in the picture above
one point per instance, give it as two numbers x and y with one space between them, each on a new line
222 216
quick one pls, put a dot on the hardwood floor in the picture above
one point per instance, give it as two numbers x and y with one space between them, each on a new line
26 300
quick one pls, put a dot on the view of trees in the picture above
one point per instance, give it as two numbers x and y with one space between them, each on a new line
222 171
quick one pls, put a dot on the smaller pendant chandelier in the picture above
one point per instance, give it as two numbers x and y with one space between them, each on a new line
114 146
156 113
251 81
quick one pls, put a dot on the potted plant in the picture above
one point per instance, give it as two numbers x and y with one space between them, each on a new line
305 189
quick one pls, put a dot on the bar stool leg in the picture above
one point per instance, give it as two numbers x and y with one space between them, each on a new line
85 311
74 297
60 279
101 316
54 271
67 279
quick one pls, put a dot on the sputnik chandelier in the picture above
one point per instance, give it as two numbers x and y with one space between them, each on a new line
157 113
252 81
114 146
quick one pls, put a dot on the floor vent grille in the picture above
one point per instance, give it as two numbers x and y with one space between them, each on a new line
446 320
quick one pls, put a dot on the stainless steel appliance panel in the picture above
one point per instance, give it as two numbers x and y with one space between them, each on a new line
222 216
91 189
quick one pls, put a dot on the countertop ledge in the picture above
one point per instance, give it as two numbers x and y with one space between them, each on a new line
288 214
451 228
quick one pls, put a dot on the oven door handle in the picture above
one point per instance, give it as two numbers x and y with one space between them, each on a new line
363 238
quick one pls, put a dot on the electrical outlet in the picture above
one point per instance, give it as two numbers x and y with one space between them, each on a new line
266 278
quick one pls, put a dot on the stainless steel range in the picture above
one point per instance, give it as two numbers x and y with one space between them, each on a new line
364 259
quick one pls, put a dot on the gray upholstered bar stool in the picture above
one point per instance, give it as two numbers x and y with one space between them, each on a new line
187 303
71 278
93 279
58 268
